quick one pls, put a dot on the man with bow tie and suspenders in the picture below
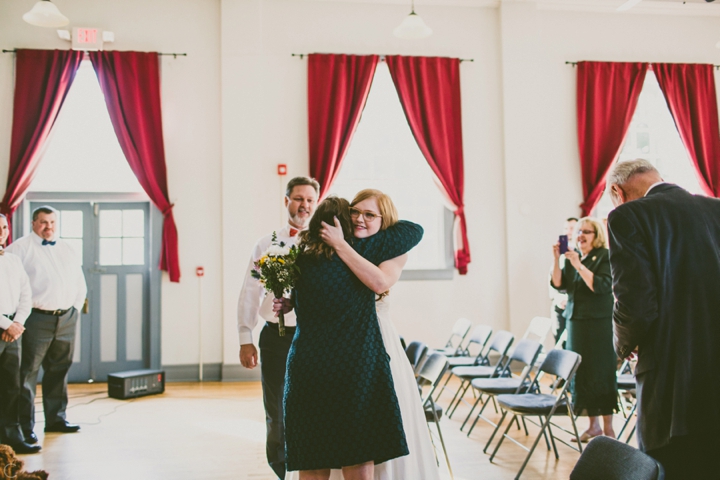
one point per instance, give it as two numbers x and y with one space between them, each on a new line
58 294
301 196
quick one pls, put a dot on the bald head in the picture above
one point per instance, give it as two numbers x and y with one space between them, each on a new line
631 180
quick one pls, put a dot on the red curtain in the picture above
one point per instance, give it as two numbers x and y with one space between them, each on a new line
607 94
429 91
338 87
690 94
130 82
42 81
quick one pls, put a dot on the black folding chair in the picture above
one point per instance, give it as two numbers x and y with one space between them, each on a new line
562 364
500 344
429 378
479 336
459 332
608 459
416 353
627 388
525 354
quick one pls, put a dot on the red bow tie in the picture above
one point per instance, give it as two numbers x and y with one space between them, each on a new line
293 232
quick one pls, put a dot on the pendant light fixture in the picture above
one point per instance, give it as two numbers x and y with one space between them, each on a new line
413 26
46 14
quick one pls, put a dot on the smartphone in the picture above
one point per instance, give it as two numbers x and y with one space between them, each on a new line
563 243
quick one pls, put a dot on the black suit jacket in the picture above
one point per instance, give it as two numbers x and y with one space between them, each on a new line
665 258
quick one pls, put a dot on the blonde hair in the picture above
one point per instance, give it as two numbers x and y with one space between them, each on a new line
385 205
600 241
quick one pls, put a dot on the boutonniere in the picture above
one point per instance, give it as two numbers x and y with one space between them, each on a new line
594 258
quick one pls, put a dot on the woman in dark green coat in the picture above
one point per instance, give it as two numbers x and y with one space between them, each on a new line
585 276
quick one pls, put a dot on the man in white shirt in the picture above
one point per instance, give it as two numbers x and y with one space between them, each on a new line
300 198
15 305
58 294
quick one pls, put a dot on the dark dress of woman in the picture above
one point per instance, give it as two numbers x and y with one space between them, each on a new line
340 403
590 333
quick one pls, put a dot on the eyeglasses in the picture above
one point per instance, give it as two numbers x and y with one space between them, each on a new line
367 215
587 232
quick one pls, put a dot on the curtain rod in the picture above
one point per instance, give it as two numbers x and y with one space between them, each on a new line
174 55
717 67
382 57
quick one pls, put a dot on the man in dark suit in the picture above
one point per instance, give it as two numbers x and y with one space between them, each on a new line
665 259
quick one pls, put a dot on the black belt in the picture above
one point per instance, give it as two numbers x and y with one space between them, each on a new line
276 327
54 313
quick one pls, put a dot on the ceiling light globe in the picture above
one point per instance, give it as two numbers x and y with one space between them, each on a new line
412 27
46 14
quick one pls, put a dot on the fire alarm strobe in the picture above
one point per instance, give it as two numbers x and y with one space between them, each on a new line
200 271
135 383
282 169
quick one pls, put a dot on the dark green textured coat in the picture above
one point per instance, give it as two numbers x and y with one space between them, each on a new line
583 302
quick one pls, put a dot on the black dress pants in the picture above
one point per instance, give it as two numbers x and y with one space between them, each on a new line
9 389
48 341
273 358
689 457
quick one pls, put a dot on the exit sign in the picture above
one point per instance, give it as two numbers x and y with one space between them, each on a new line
87 38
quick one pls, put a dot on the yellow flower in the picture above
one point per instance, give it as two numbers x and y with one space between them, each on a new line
263 260
281 260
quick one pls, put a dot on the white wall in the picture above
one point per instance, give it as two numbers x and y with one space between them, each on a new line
236 107
191 116
541 153
265 123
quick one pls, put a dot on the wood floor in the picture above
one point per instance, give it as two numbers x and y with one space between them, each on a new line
217 431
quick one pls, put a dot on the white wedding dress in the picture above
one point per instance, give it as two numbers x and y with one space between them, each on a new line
420 464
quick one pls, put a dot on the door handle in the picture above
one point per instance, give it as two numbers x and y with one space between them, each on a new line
86 307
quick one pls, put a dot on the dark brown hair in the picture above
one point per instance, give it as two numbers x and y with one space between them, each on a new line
331 207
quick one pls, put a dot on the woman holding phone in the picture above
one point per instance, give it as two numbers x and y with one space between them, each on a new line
585 277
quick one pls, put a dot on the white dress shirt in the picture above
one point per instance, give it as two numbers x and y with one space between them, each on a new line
55 273
254 302
653 186
15 292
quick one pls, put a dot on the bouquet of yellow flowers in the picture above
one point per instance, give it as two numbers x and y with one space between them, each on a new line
277 272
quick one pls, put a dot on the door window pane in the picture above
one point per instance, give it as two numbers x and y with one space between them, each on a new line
77 246
110 223
71 224
111 251
133 251
134 317
133 223
108 318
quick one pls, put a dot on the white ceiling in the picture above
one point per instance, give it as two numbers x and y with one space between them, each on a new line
672 7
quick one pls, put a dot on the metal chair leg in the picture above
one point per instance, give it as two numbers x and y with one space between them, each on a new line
497 427
471 412
502 437
532 449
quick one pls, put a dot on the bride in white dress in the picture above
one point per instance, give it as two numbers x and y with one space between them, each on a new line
371 211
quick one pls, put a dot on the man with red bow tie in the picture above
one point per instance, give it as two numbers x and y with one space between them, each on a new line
301 197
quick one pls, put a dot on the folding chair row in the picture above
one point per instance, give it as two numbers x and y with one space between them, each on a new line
524 355
500 344
561 364
454 346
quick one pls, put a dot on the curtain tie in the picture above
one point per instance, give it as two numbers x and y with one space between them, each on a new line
168 210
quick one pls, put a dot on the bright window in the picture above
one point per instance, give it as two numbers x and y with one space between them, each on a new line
82 153
384 155
653 136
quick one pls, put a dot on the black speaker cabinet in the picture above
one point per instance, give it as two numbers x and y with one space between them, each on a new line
135 383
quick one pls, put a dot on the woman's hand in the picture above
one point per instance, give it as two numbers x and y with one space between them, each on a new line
556 252
283 304
332 235
574 259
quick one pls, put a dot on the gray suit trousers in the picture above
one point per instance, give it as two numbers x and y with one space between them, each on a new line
48 341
